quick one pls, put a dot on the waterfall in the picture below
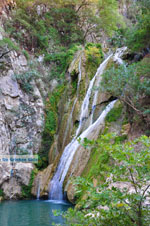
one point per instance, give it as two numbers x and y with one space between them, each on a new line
85 105
38 191
56 184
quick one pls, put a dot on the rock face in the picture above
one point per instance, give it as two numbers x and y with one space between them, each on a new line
41 182
21 121
92 111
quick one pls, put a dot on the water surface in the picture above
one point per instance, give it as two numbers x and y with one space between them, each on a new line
31 213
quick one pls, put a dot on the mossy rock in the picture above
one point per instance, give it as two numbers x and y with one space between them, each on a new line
94 56
115 113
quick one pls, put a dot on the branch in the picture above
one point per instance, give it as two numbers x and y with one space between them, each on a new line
82 5
144 193
134 183
131 105
5 53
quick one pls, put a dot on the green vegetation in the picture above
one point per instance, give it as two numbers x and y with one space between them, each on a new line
114 114
51 122
9 43
26 189
26 78
26 54
138 36
94 56
1 193
102 202
61 61
52 28
132 86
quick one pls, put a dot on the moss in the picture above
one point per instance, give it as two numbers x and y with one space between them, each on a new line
110 64
94 56
1 193
114 114
10 44
51 122
26 189
26 54
121 138
96 166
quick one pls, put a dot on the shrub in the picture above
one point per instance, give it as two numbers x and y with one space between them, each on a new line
26 189
25 80
105 203
94 57
1 193
9 43
51 122
137 37
131 85
114 114
61 60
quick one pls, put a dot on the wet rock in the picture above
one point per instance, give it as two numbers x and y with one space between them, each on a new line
42 181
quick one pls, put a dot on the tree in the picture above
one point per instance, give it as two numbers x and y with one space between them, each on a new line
132 86
138 36
122 198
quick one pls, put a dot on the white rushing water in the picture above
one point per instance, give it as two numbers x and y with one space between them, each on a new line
38 191
85 105
56 184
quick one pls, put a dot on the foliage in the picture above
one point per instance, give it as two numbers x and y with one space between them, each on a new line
138 36
61 59
26 189
51 122
106 203
94 57
118 38
9 43
36 23
25 79
53 25
114 114
26 54
109 23
1 193
131 85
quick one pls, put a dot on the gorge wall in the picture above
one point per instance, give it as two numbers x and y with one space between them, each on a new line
41 106
21 120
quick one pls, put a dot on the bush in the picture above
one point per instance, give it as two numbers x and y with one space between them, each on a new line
9 43
114 114
61 61
105 203
131 85
138 36
1 193
94 56
25 79
26 189
51 122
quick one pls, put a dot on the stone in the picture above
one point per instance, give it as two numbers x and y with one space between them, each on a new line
21 124
9 87
23 172
5 169
42 180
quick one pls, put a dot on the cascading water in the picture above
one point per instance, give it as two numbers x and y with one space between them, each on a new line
85 106
38 191
56 184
